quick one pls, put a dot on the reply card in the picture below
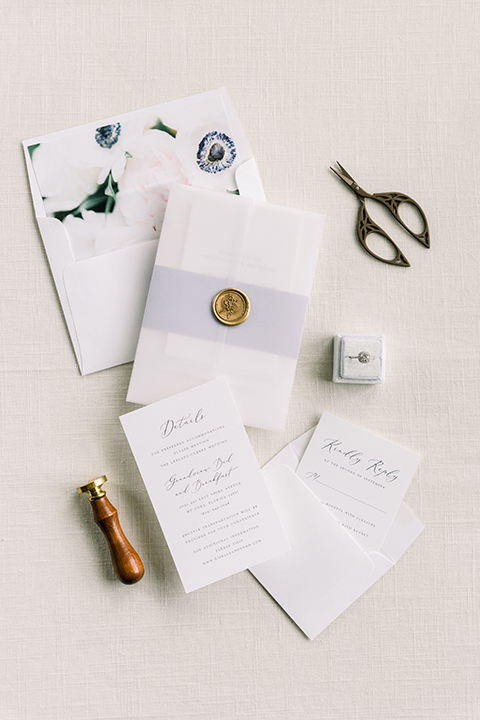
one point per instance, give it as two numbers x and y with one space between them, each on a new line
359 477
205 484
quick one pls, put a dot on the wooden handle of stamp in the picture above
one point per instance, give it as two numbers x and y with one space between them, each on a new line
126 561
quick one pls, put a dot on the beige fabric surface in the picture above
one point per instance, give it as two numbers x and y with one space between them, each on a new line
392 91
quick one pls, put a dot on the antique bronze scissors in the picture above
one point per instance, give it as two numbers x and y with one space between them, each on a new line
391 201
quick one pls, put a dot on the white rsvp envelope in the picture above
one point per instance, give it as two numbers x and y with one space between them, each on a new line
99 193
326 570
205 484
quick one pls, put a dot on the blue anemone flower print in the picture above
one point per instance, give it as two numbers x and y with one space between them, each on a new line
216 152
108 135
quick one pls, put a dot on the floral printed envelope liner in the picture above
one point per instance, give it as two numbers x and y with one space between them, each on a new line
109 184
104 187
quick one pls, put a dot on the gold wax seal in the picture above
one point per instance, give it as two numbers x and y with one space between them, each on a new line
231 306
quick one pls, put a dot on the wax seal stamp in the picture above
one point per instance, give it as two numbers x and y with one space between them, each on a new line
231 306
126 562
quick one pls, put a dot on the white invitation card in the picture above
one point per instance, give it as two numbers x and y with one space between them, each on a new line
205 484
359 477
216 244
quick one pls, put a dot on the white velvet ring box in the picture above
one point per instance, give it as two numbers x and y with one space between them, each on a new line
359 359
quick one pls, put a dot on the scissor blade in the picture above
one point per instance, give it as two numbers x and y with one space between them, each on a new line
343 175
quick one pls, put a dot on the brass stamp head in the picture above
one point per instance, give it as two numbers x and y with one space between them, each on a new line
94 488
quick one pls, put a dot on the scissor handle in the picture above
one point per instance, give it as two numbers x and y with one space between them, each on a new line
366 226
392 202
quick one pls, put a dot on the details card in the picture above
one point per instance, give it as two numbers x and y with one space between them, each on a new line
205 484
359 477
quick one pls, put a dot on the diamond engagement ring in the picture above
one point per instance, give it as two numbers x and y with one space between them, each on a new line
363 357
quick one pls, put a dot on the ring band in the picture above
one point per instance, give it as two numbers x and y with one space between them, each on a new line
363 357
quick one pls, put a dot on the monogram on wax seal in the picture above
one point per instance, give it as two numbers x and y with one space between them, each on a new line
231 306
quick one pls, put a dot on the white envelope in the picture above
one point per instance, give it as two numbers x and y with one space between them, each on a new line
211 243
326 571
103 295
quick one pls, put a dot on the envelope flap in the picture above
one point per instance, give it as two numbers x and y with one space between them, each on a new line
36 194
248 180
287 457
291 453
403 531
55 240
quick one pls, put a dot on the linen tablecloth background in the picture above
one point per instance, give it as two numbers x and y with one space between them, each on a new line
391 90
